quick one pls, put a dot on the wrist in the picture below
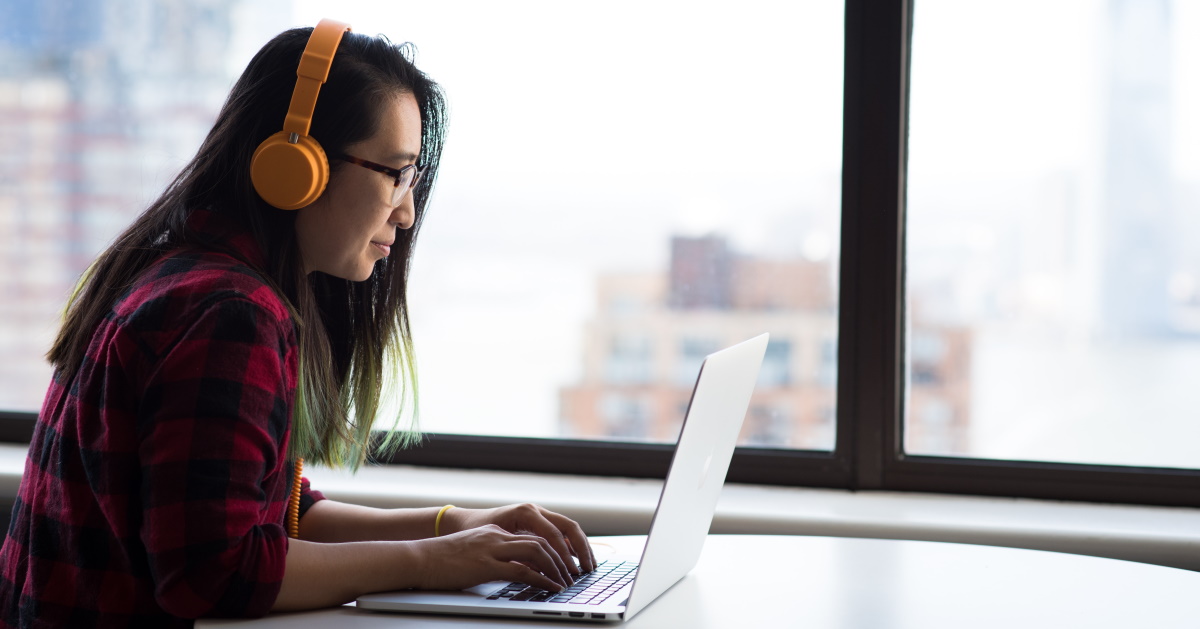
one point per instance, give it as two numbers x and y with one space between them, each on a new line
416 554
455 520
441 521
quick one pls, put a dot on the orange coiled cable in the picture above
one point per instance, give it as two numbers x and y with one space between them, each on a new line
293 510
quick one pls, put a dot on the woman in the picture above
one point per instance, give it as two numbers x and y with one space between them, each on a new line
219 341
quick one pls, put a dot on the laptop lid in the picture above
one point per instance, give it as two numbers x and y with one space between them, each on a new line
689 496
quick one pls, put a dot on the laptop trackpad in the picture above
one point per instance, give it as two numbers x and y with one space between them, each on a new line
412 600
487 589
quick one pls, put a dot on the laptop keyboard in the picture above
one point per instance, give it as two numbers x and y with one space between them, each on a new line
591 588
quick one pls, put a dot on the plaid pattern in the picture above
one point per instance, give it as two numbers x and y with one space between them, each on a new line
156 483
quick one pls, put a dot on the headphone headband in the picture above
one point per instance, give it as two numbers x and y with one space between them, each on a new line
289 170
312 72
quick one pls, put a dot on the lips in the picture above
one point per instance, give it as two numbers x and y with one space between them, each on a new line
386 248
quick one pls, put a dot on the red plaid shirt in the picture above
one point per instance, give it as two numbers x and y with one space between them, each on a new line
156 483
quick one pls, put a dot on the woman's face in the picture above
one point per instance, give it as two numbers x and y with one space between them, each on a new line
352 225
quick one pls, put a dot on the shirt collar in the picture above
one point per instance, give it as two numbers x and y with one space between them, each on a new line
225 233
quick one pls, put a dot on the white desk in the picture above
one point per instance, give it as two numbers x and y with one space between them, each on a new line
819 582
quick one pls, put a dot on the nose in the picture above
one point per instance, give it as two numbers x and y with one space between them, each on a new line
405 214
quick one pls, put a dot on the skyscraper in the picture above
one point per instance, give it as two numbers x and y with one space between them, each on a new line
1136 258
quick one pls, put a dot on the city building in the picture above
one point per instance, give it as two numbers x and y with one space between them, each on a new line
1137 259
651 331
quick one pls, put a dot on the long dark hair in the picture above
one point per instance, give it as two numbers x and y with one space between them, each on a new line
350 333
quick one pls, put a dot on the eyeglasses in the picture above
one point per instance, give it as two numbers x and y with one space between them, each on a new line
407 177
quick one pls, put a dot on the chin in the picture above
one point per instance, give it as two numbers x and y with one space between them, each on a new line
355 274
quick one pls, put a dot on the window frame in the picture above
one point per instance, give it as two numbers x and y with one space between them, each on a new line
869 451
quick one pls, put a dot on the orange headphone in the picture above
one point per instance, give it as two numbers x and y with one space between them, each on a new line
289 169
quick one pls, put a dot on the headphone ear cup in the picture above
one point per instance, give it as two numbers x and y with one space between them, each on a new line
289 176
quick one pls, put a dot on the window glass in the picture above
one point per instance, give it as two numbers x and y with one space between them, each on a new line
1053 196
101 103
625 188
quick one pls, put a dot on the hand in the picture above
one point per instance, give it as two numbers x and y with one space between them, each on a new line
564 534
488 553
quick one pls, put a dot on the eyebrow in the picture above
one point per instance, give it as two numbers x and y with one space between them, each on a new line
403 156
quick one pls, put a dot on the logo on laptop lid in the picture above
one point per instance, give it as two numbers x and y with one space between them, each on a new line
704 472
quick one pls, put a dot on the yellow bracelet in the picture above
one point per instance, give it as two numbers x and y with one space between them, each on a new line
437 524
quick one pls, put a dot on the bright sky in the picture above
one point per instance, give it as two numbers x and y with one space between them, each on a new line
1022 90
645 85
685 84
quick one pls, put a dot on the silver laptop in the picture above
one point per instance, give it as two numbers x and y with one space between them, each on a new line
622 586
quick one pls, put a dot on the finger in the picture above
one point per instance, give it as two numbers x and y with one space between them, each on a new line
549 530
558 531
587 559
529 576
533 550
563 571
578 540
562 558
559 571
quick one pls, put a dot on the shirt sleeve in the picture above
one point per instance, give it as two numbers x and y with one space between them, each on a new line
212 425
308 496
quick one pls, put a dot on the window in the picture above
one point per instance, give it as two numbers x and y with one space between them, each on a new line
692 350
1051 281
630 360
597 228
701 175
614 204
768 426
626 416
776 370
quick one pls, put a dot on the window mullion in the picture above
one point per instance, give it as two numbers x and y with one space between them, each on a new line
871 291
